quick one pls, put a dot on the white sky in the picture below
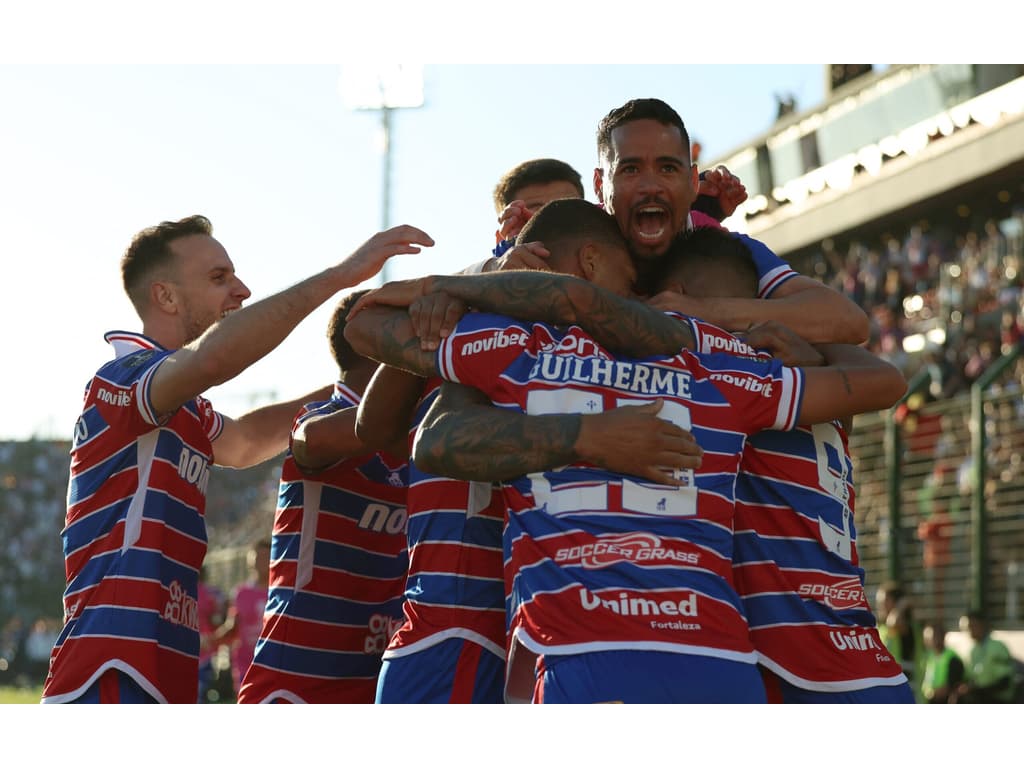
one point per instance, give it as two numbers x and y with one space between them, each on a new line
93 148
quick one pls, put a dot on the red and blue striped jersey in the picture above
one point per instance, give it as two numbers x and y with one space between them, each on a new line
455 586
135 533
795 555
337 573
597 561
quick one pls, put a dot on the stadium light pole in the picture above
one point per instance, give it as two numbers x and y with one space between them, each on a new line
383 89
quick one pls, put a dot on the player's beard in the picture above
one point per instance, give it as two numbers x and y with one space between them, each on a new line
196 323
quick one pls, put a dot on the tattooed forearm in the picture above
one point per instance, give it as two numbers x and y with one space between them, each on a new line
621 325
486 443
386 335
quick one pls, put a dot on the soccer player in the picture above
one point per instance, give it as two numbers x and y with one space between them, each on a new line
339 551
522 190
795 559
646 179
135 533
451 646
622 587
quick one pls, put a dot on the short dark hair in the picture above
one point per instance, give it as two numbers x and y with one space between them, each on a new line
710 248
570 219
638 109
540 171
341 350
150 250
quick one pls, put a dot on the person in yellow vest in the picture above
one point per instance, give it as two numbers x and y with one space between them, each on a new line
900 632
943 669
990 668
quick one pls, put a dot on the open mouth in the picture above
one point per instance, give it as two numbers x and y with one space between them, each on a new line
650 223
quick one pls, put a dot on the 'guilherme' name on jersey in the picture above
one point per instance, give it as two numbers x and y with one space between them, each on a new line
622 375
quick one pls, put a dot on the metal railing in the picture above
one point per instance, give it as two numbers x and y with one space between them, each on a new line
940 496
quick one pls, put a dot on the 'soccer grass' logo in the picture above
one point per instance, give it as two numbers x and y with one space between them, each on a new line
623 548
839 596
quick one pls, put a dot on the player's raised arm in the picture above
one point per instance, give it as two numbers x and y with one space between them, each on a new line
244 336
620 324
386 334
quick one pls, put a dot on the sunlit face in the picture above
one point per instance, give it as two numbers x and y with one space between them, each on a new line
648 184
206 284
535 196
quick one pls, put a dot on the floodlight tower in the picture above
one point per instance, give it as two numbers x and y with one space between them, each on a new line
383 88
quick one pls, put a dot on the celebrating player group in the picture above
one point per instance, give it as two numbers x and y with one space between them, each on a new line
609 463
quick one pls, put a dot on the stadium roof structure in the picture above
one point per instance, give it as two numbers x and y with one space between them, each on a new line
879 146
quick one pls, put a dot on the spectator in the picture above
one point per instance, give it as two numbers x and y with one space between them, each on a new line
990 668
943 668
211 604
242 627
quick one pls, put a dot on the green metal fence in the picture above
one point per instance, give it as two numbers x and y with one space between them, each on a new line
940 497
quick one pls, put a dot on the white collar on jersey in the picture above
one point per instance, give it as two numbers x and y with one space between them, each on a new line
341 391
127 342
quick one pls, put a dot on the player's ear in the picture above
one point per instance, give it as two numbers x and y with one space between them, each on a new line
588 258
599 184
163 296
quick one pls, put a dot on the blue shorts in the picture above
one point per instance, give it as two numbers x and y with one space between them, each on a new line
878 694
455 671
114 687
646 677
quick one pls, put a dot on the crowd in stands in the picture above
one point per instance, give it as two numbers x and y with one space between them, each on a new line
957 296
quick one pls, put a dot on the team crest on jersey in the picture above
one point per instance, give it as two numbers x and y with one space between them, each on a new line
138 359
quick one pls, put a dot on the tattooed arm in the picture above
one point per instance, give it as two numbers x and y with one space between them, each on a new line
465 437
852 381
621 325
385 334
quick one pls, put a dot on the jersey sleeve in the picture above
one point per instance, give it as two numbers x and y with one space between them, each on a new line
767 393
120 392
771 270
710 339
481 348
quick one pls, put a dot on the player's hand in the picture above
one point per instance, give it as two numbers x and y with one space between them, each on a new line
434 317
633 440
719 182
398 293
673 301
525 256
783 344
512 219
367 260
